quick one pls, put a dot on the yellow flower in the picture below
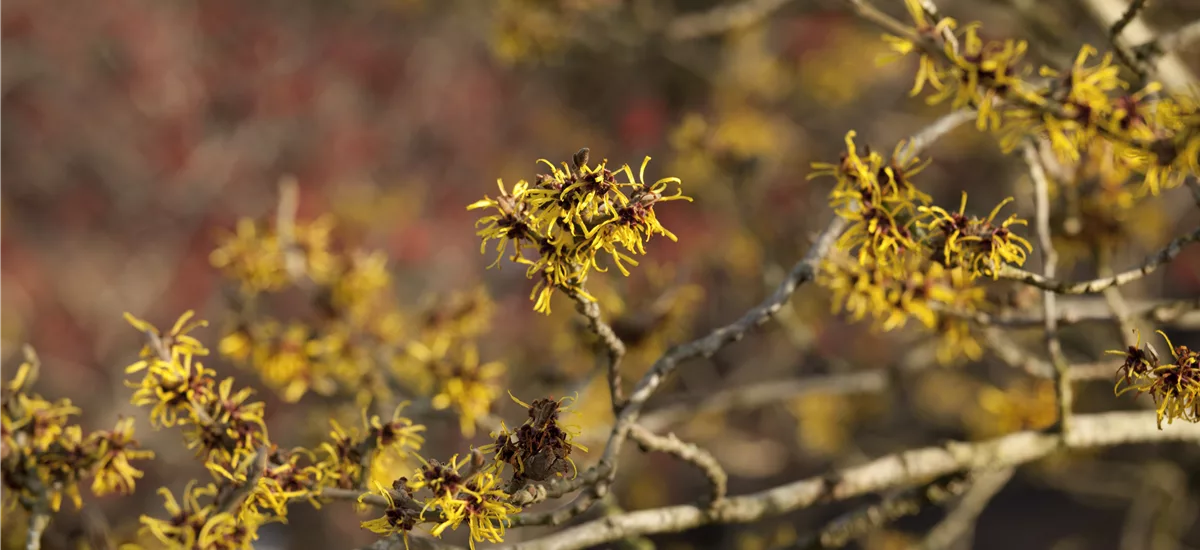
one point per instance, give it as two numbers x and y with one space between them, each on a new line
1175 387
173 389
356 290
486 508
956 342
254 260
268 498
342 462
395 519
399 434
175 340
510 223
113 472
469 387
928 69
227 531
978 245
187 518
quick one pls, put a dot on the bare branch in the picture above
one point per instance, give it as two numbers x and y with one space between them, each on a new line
942 126
231 495
557 488
721 19
961 519
901 469
334 493
1075 310
688 452
567 512
910 502
1085 372
1012 355
1122 314
285 228
1114 35
756 395
39 518
1049 266
614 347
1168 42
1093 286
803 272
1131 12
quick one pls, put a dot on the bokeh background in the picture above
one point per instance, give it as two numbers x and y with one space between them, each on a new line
136 132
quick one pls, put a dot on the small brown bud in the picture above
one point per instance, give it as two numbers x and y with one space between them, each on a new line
581 157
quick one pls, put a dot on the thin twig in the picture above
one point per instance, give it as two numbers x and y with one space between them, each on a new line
557 488
703 460
803 272
39 518
1124 53
1168 42
334 493
1062 380
1093 286
861 522
1131 12
721 19
613 346
962 518
1086 372
1122 315
566 512
1075 310
1011 353
1008 351
285 228
940 127
752 396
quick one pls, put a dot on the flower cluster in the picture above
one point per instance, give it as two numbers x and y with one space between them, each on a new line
541 447
253 479
448 494
572 217
347 292
453 495
218 423
354 340
257 257
1148 132
907 257
1174 386
43 457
